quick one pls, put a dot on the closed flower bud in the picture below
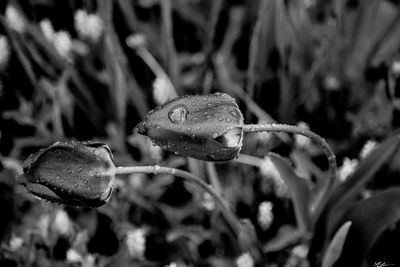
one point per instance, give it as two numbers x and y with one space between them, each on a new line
203 127
74 173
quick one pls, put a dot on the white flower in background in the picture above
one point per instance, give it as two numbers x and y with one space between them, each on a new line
268 169
245 260
163 90
172 264
265 215
208 202
297 256
136 40
63 43
137 180
43 225
15 242
88 26
331 83
74 256
136 242
347 168
62 223
301 141
395 68
263 137
300 251
5 51
14 19
47 29
367 148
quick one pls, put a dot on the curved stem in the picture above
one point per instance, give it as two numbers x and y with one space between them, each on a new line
333 170
226 211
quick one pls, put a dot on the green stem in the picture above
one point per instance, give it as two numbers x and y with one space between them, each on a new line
333 170
226 211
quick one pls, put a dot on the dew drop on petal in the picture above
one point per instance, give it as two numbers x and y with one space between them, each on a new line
178 114
79 169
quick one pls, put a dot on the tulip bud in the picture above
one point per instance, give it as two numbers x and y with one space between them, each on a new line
203 127
71 173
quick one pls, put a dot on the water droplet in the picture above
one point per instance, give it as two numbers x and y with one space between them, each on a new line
69 170
233 113
58 177
228 120
205 99
193 103
158 127
178 114
198 128
219 111
215 135
157 167
98 174
76 184
189 129
96 152
186 148
179 128
79 169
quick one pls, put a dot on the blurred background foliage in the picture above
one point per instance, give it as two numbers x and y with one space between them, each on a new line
87 69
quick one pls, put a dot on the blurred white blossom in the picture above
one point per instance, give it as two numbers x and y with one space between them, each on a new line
14 19
43 225
5 51
74 256
268 169
367 148
331 83
163 90
347 168
297 256
136 242
208 202
88 26
47 29
63 43
395 68
136 40
245 260
172 264
62 224
137 180
265 215
264 137
300 140
16 242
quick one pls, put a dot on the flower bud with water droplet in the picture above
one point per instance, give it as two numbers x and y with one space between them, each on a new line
71 173
204 127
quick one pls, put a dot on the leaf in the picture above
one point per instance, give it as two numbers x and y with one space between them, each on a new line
347 191
342 196
271 35
336 245
298 190
370 218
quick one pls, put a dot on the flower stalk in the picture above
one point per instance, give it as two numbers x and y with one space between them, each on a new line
333 170
193 179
